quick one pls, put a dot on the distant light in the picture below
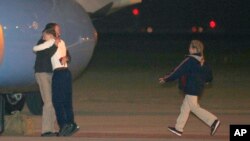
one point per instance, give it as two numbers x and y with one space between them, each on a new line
35 25
85 38
150 29
135 11
194 29
200 29
212 24
17 27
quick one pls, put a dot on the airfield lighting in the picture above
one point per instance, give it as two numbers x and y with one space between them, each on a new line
200 29
212 24
194 29
135 11
150 29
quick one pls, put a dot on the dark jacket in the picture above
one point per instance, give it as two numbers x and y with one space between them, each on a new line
43 59
191 74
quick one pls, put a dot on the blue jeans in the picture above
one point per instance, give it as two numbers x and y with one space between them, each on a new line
62 96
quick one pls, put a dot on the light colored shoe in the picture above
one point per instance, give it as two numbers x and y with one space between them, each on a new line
214 127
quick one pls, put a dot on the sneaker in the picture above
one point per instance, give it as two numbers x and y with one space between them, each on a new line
64 129
69 129
74 128
49 134
173 130
214 127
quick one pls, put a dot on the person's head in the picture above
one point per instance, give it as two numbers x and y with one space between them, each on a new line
196 47
49 34
55 27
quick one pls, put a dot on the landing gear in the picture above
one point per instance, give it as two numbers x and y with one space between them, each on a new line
14 102
9 103
34 103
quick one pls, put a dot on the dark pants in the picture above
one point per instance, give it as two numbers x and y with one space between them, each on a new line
62 96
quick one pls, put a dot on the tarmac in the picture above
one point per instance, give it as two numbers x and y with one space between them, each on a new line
119 127
118 98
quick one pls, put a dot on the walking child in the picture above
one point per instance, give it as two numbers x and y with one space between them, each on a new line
193 73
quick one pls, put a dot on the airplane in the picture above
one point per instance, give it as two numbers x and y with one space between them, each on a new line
100 8
21 24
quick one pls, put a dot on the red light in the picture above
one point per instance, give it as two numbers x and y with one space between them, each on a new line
194 29
135 11
212 24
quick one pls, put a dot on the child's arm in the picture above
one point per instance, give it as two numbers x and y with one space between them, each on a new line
44 45
176 73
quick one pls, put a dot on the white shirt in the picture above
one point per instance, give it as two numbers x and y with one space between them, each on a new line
45 45
60 52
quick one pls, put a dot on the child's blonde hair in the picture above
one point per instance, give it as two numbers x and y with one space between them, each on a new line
199 46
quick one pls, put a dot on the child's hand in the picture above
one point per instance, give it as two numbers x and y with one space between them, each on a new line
161 80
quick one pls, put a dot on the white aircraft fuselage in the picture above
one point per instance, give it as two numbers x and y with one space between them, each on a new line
21 24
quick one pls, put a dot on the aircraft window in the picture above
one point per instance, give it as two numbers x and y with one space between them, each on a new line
1 43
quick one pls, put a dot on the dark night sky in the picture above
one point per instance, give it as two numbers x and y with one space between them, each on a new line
180 15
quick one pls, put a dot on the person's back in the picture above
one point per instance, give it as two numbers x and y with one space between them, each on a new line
196 75
43 62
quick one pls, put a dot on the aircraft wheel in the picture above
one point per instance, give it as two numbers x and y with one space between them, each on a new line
14 102
34 103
